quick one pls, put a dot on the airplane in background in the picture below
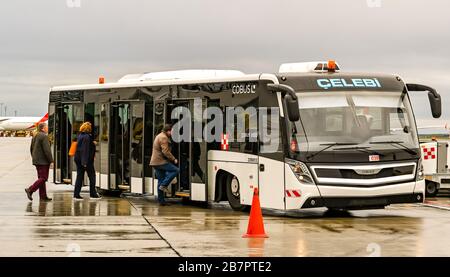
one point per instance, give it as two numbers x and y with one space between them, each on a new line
14 124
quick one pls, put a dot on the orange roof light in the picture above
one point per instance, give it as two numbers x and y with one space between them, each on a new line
331 65
101 80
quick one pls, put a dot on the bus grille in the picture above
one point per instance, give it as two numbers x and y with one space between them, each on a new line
364 175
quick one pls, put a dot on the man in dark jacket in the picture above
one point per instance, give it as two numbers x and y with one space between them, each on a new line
42 159
163 161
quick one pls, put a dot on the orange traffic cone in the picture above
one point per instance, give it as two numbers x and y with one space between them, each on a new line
255 224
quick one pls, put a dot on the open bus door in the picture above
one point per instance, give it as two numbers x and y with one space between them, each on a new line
119 163
68 118
126 146
159 120
191 154
104 145
51 136
92 115
137 143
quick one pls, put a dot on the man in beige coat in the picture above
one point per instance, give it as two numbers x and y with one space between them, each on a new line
163 162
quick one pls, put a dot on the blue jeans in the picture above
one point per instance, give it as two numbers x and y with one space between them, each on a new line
165 174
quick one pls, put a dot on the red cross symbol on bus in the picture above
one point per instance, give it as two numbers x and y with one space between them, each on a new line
224 142
429 153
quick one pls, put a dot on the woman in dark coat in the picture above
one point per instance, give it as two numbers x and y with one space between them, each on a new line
84 159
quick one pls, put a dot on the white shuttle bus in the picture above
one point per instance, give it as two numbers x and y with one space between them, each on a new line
344 140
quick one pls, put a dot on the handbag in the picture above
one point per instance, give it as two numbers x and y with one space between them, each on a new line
73 148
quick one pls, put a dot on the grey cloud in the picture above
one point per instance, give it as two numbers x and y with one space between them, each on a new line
45 43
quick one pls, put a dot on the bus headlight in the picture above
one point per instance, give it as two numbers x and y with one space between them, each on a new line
419 175
301 171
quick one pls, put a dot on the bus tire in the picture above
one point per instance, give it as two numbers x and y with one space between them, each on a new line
233 193
431 189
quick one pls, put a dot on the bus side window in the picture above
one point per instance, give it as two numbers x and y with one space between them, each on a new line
273 129
246 142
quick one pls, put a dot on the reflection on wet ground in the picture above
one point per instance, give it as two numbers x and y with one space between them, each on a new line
62 205
137 226
401 230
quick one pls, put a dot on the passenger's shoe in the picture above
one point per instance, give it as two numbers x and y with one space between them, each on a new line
164 204
96 197
48 199
77 198
27 191
164 188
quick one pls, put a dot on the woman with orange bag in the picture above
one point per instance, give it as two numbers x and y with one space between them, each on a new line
84 159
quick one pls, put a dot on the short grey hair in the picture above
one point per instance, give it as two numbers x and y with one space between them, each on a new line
41 126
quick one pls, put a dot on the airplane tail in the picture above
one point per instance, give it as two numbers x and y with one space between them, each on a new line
43 119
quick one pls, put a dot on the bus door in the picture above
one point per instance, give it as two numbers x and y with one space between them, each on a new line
126 151
92 115
77 121
51 135
159 120
104 145
191 154
137 143
147 147
68 119
119 146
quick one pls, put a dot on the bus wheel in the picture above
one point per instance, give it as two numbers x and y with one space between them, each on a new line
233 193
431 189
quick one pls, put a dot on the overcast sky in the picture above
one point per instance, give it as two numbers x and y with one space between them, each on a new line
46 43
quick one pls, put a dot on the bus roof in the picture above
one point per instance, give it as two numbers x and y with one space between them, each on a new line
127 82
299 81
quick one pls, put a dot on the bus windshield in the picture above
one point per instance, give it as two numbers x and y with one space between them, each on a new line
375 120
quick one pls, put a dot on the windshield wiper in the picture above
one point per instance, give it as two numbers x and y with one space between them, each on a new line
364 149
353 148
399 143
329 145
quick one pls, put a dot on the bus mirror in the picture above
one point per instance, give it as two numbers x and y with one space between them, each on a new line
436 105
293 111
290 100
433 96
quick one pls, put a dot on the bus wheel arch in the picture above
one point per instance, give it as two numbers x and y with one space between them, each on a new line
228 188
220 186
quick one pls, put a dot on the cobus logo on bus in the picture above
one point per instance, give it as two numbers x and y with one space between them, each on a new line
243 88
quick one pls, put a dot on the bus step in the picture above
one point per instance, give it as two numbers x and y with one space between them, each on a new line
183 194
124 187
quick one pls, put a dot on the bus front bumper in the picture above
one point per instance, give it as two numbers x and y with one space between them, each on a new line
354 203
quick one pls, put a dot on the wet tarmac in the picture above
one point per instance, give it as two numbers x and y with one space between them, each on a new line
136 226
